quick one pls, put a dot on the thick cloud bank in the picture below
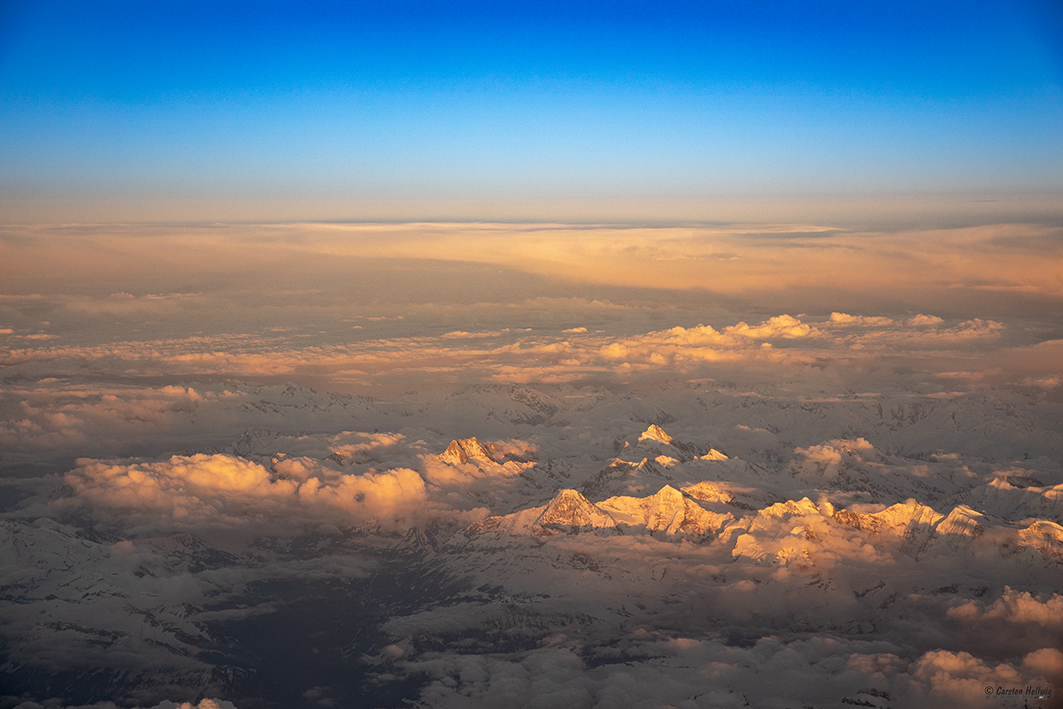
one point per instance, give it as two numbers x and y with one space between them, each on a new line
222 489
478 488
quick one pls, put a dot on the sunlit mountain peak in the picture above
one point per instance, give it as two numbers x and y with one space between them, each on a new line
656 433
461 450
571 511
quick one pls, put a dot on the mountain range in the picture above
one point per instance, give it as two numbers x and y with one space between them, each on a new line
545 546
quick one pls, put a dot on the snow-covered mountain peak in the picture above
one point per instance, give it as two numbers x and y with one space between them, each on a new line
571 511
461 450
668 510
1015 499
623 476
709 492
655 443
962 521
1046 537
656 433
790 508
896 519
670 494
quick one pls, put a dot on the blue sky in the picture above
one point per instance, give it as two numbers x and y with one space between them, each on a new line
341 106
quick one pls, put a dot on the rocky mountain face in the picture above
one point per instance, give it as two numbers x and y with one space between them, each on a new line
464 449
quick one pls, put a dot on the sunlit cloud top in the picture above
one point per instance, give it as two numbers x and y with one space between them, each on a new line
482 109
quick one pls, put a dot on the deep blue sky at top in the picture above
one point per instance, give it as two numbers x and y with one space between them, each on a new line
528 100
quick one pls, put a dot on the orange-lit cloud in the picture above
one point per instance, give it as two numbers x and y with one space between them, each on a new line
61 413
223 489
909 267
1015 606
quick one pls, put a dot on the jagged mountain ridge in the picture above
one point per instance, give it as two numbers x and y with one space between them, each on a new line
916 528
